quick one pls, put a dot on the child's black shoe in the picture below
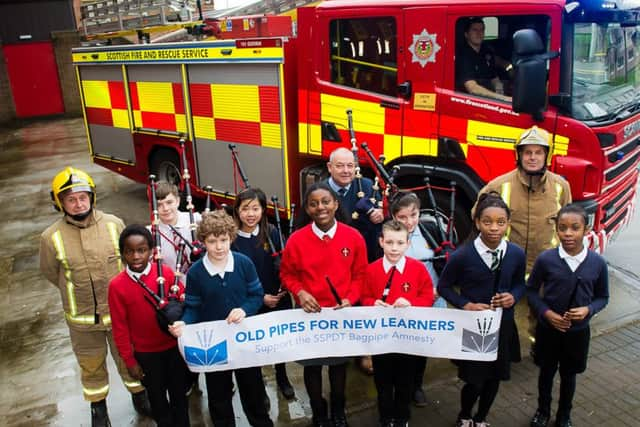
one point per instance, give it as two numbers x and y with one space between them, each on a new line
540 419
563 422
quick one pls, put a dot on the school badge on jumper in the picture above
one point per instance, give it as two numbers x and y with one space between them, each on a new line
345 252
406 286
424 48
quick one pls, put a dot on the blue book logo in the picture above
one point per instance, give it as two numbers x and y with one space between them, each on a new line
481 341
207 354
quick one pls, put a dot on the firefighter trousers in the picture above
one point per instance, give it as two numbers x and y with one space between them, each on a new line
90 348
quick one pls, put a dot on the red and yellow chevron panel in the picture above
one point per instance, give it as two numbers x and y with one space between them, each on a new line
158 105
105 103
246 114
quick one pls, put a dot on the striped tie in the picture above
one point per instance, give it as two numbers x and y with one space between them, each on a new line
495 259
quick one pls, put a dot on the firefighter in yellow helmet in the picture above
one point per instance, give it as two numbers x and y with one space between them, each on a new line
534 194
79 254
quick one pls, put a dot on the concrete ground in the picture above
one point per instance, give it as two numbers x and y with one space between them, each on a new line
39 379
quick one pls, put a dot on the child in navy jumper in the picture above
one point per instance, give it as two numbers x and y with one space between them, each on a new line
224 285
575 286
490 273
260 241
323 265
395 281
151 354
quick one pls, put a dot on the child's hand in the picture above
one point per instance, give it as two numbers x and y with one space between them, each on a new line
308 302
345 303
557 321
236 315
577 314
401 303
504 300
271 300
175 328
476 306
136 372
380 303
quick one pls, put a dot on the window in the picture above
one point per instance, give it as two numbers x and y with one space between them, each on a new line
363 54
484 46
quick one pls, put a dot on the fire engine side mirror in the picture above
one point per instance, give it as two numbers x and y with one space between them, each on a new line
530 73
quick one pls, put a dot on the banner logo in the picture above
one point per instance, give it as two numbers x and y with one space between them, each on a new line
207 354
482 340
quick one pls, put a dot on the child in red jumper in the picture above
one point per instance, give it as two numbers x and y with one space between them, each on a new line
322 255
151 354
395 281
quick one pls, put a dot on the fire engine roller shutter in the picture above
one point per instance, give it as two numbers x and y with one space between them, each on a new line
238 103
106 112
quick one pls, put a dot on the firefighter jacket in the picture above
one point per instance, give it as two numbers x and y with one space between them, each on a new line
533 210
80 260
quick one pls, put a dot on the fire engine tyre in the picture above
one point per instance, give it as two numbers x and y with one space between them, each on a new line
462 216
165 164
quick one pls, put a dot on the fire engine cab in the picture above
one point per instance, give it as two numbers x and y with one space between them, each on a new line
570 67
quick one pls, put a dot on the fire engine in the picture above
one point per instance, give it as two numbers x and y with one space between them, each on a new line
282 100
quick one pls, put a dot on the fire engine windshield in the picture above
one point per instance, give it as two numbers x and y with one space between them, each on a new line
606 71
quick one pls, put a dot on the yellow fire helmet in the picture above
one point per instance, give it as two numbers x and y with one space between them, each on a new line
534 136
71 179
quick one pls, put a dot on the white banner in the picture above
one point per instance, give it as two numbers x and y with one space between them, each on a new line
288 335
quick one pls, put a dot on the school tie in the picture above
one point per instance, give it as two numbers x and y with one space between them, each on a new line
326 238
342 191
495 259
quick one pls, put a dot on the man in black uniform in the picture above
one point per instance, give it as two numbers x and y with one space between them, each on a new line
476 64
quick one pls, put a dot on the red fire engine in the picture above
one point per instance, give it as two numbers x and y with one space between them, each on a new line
282 100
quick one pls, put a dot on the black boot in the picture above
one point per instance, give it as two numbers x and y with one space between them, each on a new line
283 382
99 415
338 417
141 403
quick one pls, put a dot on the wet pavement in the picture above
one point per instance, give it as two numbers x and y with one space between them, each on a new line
39 379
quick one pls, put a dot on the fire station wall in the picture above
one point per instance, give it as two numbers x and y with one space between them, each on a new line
63 42
7 108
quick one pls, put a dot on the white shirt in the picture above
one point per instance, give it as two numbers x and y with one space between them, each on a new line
330 232
213 270
183 226
135 274
486 252
573 261
399 265
248 235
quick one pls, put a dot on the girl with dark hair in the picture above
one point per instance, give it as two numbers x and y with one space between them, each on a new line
323 265
260 241
489 271
575 286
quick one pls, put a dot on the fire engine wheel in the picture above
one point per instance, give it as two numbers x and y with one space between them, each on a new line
462 216
165 164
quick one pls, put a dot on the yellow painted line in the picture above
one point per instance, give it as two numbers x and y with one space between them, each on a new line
125 81
236 102
366 64
110 159
84 113
186 95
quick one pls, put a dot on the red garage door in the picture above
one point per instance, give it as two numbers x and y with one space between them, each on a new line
33 75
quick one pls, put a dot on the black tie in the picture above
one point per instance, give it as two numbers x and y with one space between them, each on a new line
342 191
495 259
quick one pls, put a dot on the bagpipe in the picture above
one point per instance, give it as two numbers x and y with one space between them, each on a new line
169 307
276 250
440 238
197 248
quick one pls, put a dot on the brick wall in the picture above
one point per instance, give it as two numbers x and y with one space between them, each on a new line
7 109
63 41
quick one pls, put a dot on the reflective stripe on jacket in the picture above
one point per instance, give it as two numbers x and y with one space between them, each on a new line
80 261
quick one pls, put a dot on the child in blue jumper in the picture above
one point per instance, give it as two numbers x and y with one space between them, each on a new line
490 273
575 286
224 285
